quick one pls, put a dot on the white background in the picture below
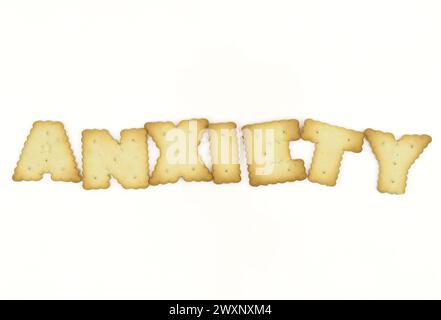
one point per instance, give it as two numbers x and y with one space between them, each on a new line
118 64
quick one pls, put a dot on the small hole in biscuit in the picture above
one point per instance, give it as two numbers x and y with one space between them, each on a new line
323 172
383 143
164 133
284 131
47 133
29 168
193 169
317 132
135 177
226 170
133 140
94 178
349 139
289 170
114 159
394 163
392 181
411 146
45 160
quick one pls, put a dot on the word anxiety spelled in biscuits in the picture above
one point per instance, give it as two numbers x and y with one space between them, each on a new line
47 150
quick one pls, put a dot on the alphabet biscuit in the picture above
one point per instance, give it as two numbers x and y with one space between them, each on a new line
126 161
330 144
268 154
395 157
178 146
224 152
47 150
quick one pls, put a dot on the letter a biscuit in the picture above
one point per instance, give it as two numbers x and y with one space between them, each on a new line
47 150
